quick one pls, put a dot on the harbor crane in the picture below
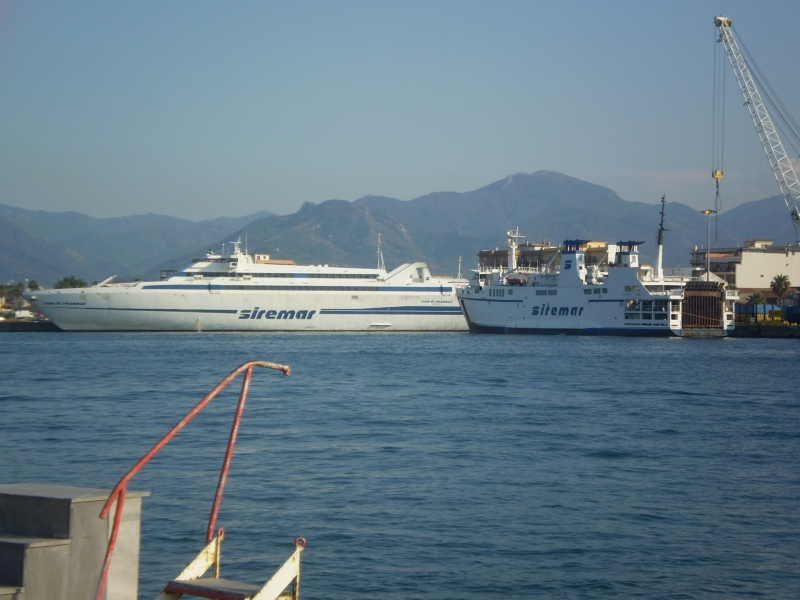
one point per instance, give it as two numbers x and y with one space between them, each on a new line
778 159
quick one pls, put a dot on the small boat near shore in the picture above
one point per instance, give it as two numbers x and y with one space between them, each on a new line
251 292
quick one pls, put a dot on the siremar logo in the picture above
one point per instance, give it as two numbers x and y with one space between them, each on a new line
561 311
257 313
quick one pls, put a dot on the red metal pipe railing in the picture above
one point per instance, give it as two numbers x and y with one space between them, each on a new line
120 490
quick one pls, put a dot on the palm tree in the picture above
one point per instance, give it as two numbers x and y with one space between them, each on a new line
16 293
780 286
33 285
70 282
757 298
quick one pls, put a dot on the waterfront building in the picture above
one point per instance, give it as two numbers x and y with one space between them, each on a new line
752 267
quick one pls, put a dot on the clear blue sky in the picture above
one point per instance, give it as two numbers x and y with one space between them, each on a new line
204 109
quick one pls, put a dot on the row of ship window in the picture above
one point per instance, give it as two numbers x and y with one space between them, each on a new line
301 288
652 310
652 305
501 292
649 316
290 275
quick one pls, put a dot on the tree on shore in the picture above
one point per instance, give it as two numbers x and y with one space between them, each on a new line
15 291
33 285
780 286
757 298
69 283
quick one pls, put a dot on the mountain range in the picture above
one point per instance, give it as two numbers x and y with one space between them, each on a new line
437 228
46 246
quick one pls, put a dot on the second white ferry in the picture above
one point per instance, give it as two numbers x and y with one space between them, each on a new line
592 288
251 292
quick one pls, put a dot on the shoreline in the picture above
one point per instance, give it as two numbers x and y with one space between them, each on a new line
26 326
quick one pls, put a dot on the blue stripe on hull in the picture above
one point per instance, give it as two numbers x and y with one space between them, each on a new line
593 331
220 311
491 300
292 288
394 310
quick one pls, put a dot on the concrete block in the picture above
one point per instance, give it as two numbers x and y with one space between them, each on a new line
55 512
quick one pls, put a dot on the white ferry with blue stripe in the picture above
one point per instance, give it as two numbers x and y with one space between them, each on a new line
555 290
251 292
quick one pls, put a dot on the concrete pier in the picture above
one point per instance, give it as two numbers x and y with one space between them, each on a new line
766 331
27 326
53 543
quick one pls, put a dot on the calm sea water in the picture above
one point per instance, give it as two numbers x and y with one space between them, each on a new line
436 466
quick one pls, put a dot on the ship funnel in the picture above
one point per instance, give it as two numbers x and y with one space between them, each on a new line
573 263
628 254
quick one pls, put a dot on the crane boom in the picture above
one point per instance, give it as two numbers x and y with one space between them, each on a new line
778 159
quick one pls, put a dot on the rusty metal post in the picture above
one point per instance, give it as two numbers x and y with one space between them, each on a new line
118 493
226 463
112 542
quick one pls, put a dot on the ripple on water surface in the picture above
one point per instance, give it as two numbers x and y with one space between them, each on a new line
436 466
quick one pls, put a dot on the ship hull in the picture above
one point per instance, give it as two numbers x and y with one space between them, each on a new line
576 316
610 331
107 309
577 297
621 307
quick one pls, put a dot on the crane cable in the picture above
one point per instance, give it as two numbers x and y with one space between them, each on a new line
718 126
790 130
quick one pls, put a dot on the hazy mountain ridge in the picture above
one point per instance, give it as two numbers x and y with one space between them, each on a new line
142 242
768 218
26 256
437 228
46 225
128 246
334 232
499 205
552 206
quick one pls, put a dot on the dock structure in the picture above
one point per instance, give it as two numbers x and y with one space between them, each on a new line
66 543
52 545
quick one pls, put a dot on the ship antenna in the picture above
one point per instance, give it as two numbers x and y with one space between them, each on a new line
660 246
459 268
381 264
661 228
